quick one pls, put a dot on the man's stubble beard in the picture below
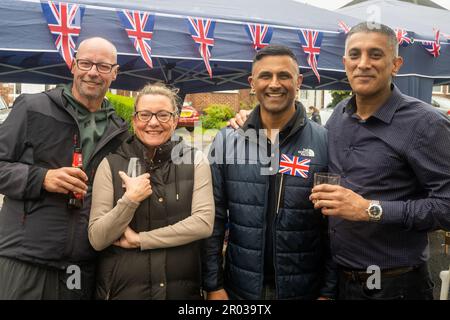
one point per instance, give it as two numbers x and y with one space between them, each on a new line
100 93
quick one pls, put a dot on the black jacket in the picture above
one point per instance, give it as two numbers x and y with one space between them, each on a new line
316 117
169 273
35 225
300 242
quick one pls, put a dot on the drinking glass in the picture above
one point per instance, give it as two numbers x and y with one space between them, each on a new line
328 178
135 168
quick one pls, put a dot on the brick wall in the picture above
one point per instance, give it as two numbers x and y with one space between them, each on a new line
126 93
235 100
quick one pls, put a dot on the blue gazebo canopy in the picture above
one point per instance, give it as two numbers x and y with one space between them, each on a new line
28 53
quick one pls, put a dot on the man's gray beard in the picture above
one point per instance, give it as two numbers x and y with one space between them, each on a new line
92 96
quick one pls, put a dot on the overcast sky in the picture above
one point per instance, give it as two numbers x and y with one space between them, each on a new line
334 4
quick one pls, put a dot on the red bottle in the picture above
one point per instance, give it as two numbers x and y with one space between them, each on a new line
76 199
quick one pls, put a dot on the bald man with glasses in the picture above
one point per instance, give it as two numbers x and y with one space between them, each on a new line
44 247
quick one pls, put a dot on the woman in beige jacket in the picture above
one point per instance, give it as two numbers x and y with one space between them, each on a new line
148 227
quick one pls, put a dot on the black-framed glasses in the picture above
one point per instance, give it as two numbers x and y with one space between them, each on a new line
102 67
161 116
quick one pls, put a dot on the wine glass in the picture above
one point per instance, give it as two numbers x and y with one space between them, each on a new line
135 168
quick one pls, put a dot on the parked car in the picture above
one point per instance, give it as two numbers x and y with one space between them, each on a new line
4 110
188 117
443 104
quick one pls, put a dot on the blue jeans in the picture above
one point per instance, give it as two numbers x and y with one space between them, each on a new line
412 285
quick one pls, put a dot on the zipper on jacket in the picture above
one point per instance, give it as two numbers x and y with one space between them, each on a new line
280 191
274 230
266 193
72 222
101 144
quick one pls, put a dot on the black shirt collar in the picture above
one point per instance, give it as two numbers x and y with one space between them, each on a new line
386 112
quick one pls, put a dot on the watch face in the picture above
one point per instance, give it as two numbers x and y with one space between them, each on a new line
375 211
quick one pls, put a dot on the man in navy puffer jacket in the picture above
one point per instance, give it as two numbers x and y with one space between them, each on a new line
263 175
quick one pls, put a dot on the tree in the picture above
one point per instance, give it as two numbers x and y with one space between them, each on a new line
338 96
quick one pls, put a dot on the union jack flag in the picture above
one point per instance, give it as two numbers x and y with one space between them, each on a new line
294 166
202 31
64 23
343 27
260 35
402 37
433 47
139 27
311 41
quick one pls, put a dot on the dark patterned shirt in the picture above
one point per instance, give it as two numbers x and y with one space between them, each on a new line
400 156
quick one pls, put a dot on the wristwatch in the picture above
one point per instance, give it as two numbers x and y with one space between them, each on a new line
374 211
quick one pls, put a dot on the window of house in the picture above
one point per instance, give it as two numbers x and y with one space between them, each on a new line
438 89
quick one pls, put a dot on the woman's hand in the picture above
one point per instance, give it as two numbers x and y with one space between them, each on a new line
129 240
138 188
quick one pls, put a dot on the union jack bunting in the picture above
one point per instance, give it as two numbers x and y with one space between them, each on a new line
343 27
311 41
294 166
139 27
64 23
260 35
402 37
202 31
433 47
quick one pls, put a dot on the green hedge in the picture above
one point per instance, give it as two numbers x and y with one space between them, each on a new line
216 116
123 106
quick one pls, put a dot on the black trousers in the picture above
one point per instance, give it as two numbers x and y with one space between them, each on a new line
26 281
413 285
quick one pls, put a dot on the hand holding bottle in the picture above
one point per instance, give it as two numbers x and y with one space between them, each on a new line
65 180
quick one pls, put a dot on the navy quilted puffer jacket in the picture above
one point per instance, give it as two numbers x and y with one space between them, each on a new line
301 257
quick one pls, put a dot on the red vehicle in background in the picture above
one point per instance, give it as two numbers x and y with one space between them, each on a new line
188 117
